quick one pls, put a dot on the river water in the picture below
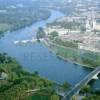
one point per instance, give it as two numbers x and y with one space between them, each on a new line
36 57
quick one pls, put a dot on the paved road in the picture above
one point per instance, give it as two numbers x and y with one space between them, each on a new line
80 84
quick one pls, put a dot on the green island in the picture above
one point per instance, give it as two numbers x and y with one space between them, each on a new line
17 84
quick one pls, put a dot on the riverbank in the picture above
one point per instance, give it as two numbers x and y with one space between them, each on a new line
9 25
17 82
38 58
46 43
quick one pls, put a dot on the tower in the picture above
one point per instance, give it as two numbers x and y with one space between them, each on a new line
88 25
90 22
93 20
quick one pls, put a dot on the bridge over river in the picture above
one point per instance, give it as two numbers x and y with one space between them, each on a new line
76 89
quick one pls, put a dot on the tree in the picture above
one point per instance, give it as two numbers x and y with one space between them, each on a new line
53 35
40 33
83 29
54 97
86 89
36 73
65 85
74 98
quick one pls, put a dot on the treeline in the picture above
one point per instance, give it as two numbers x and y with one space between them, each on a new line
66 43
40 33
14 19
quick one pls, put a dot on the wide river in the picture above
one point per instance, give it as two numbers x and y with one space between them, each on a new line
36 57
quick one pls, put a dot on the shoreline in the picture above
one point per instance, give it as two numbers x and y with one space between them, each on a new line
65 59
24 26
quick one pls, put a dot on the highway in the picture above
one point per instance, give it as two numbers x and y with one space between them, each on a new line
78 86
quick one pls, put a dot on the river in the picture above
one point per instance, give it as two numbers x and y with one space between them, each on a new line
36 57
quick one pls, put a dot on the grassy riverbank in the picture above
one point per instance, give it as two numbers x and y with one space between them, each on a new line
74 55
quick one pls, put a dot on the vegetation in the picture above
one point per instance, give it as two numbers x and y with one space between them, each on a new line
66 43
40 33
19 17
89 94
43 95
83 29
93 97
18 82
54 97
65 86
86 89
69 51
90 58
52 35
69 25
4 28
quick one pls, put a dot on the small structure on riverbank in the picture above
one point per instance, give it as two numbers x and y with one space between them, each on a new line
3 76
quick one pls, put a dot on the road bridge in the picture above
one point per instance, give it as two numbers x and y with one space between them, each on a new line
83 82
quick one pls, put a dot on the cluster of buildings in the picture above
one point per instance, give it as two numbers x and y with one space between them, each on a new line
88 18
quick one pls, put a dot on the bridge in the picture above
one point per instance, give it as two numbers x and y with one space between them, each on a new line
76 89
